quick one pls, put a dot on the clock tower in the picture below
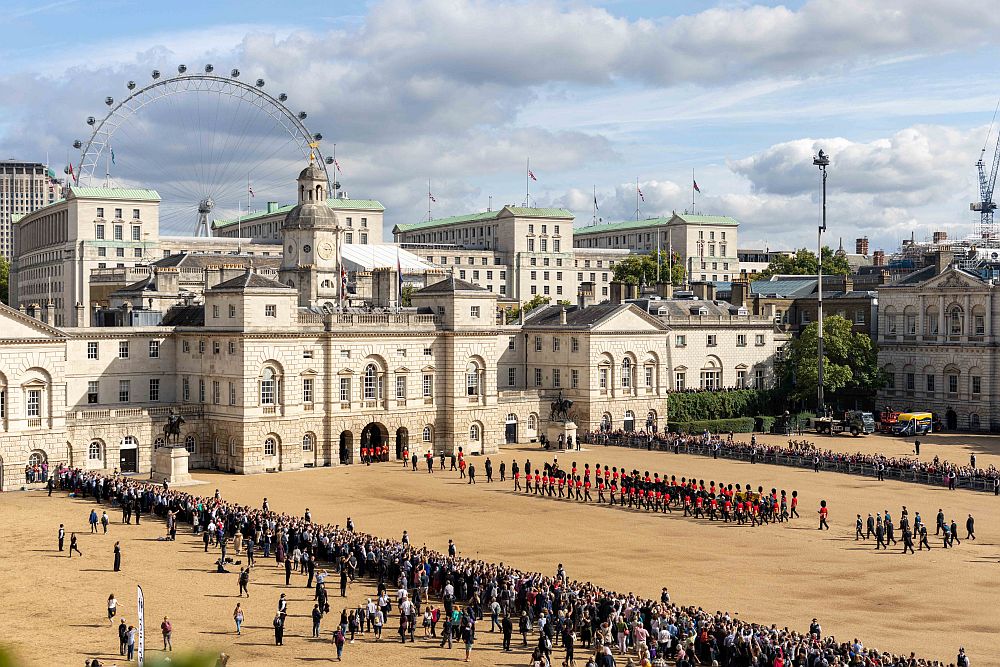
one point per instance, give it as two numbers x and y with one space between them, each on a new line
310 234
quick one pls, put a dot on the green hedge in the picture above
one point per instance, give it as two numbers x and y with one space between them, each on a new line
713 405
736 425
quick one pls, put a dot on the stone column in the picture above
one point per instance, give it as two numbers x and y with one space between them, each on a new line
943 325
967 322
920 317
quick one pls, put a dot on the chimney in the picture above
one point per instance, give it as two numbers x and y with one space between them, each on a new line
168 280
861 246
942 260
617 292
704 290
878 258
885 277
585 295
79 314
846 284
740 293
562 315
665 290
50 313
940 237
230 271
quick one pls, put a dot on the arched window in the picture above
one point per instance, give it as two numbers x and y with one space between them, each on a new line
307 442
629 421
606 422
159 442
216 446
474 433
270 447
472 379
232 446
532 422
428 434
190 443
955 321
94 451
511 418
370 382
626 372
974 421
268 387
37 458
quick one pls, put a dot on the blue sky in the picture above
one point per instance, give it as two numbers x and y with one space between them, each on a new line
462 92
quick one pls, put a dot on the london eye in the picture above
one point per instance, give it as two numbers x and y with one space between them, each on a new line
210 144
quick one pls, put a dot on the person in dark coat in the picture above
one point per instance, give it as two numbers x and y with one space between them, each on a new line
118 557
279 629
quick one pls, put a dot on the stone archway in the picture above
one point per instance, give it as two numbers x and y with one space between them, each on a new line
402 442
375 436
346 455
951 420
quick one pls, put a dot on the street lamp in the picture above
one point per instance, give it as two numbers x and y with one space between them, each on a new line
822 160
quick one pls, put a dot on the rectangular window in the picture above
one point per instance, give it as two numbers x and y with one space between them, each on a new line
556 378
201 347
307 354
123 390
201 391
890 381
679 381
185 389
119 233
910 381
474 311
861 316
538 343
758 378
123 349
538 377
307 390
911 324
120 252
345 390
216 347
711 380
100 212
185 346
680 341
574 344
232 393
216 392
136 233
574 378
741 340
135 214
977 384
102 252
649 377
154 389
952 384
741 379
232 347
603 378
400 386
34 403
232 310
270 310
980 324
427 387
92 349
713 340
759 339
511 343
99 232
555 344
118 214
93 389
215 311
154 349
428 352
930 383
511 377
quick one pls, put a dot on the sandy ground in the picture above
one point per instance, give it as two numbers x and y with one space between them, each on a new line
783 574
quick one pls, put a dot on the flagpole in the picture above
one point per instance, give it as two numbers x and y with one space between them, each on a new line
595 204
428 200
527 173
693 209
637 198
239 227
107 168
335 169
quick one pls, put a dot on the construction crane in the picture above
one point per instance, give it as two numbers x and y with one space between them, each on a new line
986 205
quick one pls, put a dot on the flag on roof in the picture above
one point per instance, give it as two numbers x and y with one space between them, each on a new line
112 154
337 165
639 190
250 190
71 174
399 276
596 207
431 197
343 280
532 174
696 188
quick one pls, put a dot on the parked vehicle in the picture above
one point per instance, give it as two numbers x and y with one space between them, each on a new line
855 421
913 423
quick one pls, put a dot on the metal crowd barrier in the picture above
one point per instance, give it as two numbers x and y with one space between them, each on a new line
980 484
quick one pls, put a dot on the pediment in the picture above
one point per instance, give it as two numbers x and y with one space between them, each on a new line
309 371
955 279
15 324
401 370
345 371
428 369
632 319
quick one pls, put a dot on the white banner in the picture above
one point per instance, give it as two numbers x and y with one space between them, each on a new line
140 647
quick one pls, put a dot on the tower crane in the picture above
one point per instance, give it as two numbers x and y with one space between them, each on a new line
987 181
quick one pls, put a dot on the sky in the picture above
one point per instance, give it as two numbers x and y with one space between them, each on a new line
455 96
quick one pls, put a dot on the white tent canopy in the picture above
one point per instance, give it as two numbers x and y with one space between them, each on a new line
382 256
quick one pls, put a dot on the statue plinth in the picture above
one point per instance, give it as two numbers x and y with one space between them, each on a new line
170 465
561 433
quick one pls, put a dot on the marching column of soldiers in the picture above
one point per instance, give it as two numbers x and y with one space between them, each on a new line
729 503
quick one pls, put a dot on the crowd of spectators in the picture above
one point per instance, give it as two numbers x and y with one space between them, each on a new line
552 612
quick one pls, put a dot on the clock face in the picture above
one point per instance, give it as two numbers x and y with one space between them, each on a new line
306 248
325 250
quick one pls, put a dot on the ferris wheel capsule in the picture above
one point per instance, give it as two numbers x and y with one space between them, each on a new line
209 68
181 69
156 74
302 115
260 83
91 120
329 160
282 98
109 100
77 144
130 85
317 137
235 73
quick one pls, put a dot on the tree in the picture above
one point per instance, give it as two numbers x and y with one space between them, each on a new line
514 313
803 263
850 360
407 294
640 269
4 280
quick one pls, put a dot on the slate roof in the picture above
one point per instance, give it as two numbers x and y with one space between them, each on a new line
575 316
449 286
516 211
184 316
335 204
201 260
250 280
656 222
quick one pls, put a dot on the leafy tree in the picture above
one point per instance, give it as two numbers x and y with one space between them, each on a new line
803 262
639 269
4 280
850 360
407 294
513 314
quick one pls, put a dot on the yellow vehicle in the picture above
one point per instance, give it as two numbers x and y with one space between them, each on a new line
913 423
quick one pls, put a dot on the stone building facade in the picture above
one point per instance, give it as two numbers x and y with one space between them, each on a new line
938 344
